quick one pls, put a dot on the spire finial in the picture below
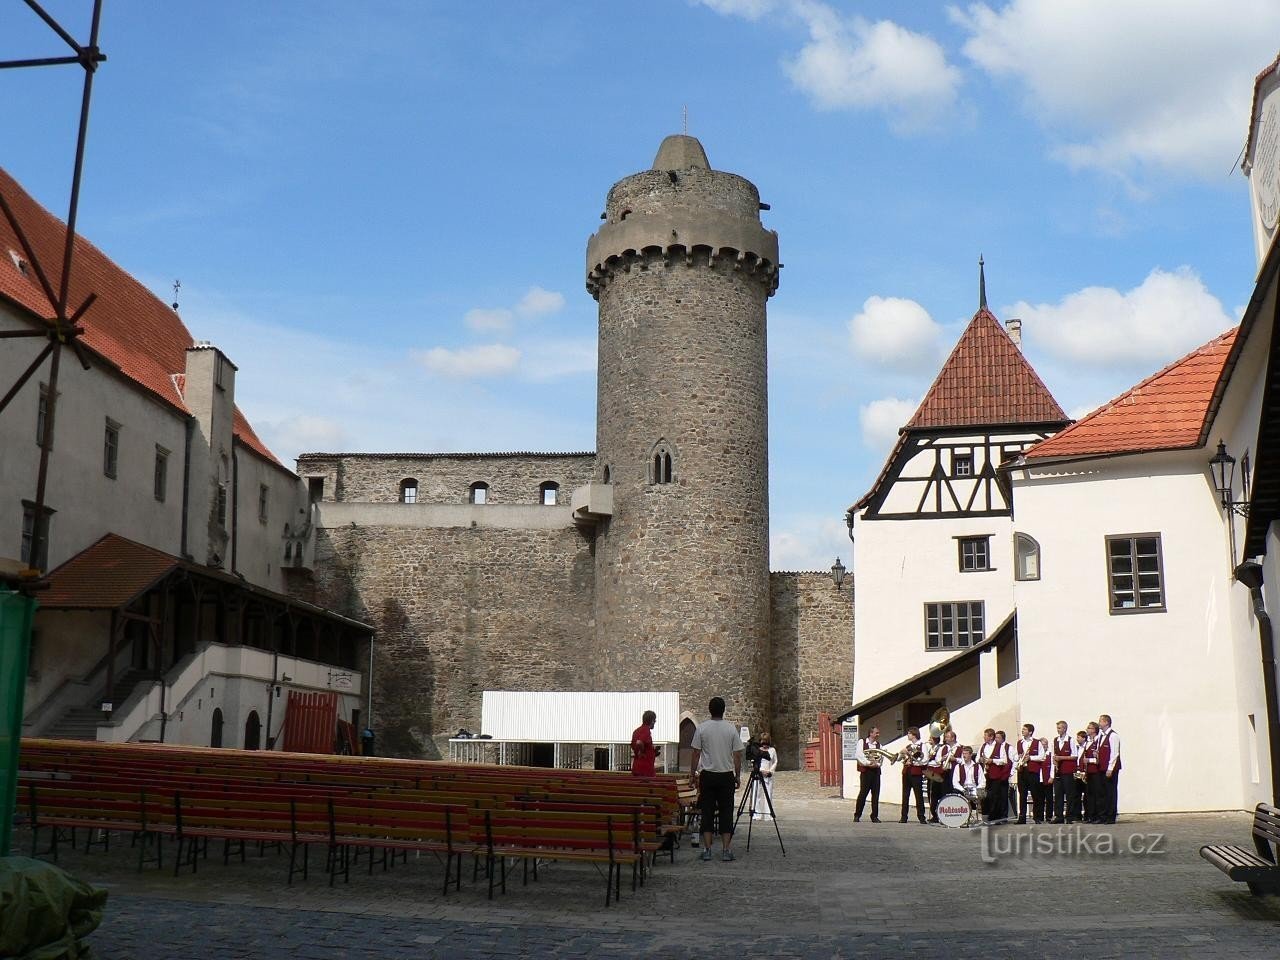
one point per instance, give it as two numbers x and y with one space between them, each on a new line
982 284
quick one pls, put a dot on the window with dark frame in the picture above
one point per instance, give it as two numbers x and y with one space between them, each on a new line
408 490
962 465
479 492
160 478
35 539
315 489
264 497
549 493
954 626
1135 574
222 505
111 449
975 553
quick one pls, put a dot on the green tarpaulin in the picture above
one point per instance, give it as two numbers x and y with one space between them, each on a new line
45 913
15 641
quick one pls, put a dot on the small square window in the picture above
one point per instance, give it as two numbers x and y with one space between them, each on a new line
111 449
962 465
975 554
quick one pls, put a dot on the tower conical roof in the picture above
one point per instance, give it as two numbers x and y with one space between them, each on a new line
681 152
986 381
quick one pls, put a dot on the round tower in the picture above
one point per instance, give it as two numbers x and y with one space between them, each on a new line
682 269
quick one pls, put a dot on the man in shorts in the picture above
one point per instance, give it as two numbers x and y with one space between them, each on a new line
717 770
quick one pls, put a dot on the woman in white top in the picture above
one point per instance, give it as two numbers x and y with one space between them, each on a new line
768 763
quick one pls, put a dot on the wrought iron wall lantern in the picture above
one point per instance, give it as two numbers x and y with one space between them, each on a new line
1222 466
837 573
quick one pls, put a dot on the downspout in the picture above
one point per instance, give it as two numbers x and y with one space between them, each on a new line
186 484
235 506
1249 573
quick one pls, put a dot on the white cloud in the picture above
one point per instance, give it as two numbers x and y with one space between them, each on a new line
1083 410
881 419
750 9
896 332
853 63
1167 315
538 302
484 321
489 360
809 542
304 432
551 359
1160 83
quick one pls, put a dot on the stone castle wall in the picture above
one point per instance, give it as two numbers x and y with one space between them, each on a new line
446 478
458 610
812 656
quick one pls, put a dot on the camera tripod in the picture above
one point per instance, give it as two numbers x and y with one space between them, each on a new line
756 787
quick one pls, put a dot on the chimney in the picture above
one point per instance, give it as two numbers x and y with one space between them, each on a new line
1014 326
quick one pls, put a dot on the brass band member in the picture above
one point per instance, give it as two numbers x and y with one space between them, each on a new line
1108 750
983 756
968 776
1089 759
1030 759
999 768
913 764
868 775
939 772
1066 788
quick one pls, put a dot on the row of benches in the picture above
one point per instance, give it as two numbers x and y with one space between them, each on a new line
496 815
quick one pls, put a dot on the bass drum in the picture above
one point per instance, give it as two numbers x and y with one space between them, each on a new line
954 810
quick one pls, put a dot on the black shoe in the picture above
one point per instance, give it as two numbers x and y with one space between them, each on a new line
875 819
1022 820
922 820
857 819
1059 820
933 819
903 820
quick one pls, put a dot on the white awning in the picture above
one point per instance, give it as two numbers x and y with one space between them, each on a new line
556 717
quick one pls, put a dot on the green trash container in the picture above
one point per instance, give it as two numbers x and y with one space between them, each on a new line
16 611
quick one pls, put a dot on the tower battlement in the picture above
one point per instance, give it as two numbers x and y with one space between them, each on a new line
682 212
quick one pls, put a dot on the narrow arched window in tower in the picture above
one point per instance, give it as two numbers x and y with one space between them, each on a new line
479 492
408 490
661 463
1026 557
549 493
607 476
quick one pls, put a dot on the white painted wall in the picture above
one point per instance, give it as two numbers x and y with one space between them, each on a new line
898 567
1173 681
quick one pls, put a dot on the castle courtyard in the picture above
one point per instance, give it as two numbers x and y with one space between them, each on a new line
1138 889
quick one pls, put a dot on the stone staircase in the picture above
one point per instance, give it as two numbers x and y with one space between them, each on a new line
81 723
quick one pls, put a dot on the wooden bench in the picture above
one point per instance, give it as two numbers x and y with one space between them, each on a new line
397 826
1257 867
535 835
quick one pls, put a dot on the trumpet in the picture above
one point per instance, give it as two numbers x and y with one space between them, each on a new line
875 753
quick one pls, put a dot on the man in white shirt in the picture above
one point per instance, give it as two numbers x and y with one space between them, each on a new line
1108 770
717 768
868 776
1066 787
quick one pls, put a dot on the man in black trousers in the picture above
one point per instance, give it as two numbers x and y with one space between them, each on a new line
868 776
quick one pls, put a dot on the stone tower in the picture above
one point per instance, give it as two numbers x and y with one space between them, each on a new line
682 269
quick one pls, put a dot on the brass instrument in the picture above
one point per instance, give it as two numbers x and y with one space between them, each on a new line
940 723
875 753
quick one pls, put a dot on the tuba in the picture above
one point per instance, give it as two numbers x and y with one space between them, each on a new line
875 753
940 724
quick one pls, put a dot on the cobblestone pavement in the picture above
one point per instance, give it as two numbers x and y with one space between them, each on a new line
1138 889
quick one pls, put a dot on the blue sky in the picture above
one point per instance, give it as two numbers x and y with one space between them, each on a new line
380 210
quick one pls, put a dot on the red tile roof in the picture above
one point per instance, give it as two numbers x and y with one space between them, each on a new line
128 326
106 575
986 382
1167 411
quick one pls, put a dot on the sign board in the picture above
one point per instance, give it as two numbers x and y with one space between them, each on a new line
1262 161
848 740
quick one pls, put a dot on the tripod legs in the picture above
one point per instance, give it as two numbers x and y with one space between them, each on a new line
756 787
